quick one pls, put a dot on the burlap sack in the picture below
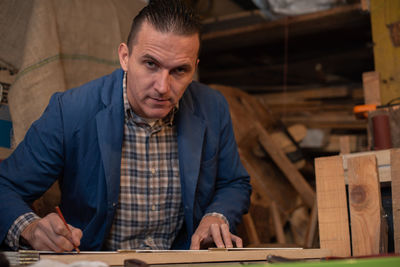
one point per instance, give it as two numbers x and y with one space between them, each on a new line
55 45
66 43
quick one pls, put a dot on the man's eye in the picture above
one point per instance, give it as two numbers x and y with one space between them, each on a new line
180 70
150 64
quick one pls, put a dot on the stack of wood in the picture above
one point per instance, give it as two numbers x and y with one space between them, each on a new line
326 111
282 203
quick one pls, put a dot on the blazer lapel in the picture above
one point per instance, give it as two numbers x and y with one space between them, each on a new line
190 142
110 134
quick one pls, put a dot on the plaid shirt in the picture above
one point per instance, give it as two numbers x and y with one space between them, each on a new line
150 212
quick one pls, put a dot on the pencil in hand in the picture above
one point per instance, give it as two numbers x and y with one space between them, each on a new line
66 225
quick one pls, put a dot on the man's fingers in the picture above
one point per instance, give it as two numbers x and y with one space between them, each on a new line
226 235
76 235
216 235
238 241
195 243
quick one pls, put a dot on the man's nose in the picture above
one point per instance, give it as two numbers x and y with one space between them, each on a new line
162 84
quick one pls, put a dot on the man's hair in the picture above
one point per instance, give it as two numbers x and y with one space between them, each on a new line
166 16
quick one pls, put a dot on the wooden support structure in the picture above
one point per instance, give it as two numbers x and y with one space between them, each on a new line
364 173
385 22
395 171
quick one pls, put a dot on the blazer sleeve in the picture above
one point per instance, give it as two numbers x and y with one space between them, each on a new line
34 166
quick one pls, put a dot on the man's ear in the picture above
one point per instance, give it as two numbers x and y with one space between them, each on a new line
123 54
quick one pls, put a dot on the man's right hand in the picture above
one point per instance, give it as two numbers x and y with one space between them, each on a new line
50 233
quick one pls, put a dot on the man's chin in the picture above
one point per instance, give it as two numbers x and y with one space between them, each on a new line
157 114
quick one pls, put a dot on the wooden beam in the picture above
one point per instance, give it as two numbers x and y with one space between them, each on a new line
372 92
332 206
312 227
385 13
305 191
395 163
365 205
250 229
276 217
345 147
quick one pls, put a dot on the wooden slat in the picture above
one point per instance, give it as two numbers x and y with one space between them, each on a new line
188 256
332 206
372 93
395 160
280 234
365 205
286 166
250 229
312 227
345 144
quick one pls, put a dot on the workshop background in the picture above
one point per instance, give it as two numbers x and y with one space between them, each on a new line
298 75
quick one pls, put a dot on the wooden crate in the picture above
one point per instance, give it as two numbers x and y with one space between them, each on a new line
351 222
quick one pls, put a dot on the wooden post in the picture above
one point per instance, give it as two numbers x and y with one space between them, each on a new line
372 92
276 217
312 227
395 165
385 14
365 205
250 229
332 206
345 144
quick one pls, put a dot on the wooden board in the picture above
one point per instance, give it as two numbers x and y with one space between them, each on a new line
190 256
372 93
365 205
395 160
332 206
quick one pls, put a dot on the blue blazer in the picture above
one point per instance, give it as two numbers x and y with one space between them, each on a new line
78 140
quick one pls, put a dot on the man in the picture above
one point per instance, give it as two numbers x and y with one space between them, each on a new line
146 158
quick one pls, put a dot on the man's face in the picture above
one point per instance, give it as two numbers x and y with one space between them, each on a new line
159 69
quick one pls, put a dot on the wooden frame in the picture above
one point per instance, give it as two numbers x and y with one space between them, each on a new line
364 173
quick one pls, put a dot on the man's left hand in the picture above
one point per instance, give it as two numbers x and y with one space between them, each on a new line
211 230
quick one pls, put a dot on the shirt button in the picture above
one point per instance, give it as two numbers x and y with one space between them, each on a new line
153 171
153 207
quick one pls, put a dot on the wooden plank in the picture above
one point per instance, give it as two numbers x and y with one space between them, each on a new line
190 256
305 191
250 229
332 206
330 19
382 159
365 205
345 144
386 54
276 217
372 93
395 160
312 227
